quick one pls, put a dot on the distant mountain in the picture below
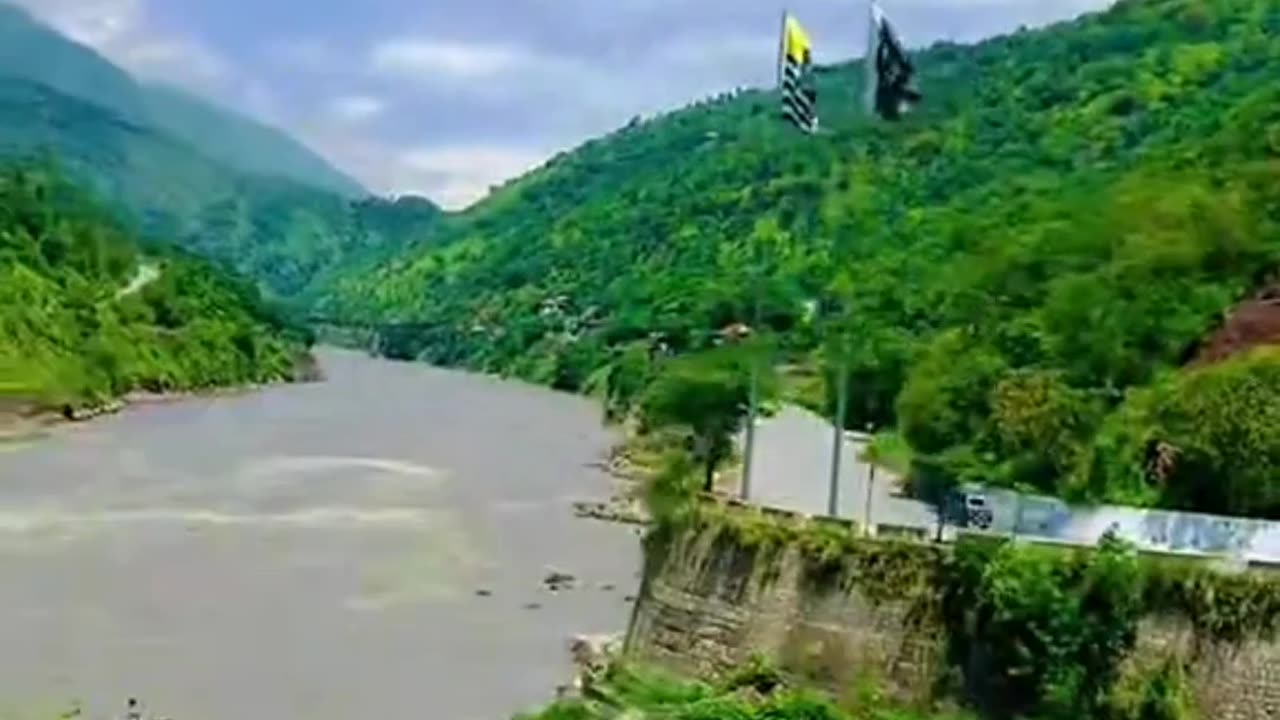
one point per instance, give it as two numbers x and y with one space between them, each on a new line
32 52
281 233
182 171
242 143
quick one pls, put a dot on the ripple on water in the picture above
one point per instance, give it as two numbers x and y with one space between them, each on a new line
310 552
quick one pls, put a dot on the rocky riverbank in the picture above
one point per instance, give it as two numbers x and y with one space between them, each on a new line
22 420
630 464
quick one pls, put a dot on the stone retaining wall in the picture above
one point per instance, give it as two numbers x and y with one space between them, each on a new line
708 604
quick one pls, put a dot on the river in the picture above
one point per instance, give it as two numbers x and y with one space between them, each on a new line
310 551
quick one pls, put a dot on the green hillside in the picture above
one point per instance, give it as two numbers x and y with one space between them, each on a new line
276 231
86 314
1019 265
32 52
183 171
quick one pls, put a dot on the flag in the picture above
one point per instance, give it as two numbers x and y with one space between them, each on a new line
795 76
889 71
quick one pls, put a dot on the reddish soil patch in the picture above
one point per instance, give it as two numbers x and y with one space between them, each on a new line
1253 323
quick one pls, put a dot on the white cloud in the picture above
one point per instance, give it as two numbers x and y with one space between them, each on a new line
467 60
458 175
122 31
453 174
179 61
354 109
96 23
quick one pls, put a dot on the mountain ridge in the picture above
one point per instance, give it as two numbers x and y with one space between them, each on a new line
284 233
32 51
1069 213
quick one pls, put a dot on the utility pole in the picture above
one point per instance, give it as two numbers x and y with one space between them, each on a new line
871 482
1017 515
837 438
753 402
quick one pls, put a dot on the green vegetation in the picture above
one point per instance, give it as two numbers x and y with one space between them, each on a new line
38 55
1031 631
1050 632
1209 437
756 692
1043 632
87 315
1056 229
708 394
188 173
281 233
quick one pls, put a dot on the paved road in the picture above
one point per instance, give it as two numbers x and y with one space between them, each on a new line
147 273
792 471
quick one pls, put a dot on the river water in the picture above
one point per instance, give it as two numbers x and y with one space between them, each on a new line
310 551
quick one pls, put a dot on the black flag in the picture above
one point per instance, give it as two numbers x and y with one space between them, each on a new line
889 72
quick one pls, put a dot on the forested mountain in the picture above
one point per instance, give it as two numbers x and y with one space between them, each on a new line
32 52
87 314
1021 266
276 231
185 172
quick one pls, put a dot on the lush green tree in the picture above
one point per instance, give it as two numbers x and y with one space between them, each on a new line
709 396
1039 633
87 315
1042 425
948 394
1206 439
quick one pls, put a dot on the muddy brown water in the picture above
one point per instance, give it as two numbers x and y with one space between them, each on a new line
310 551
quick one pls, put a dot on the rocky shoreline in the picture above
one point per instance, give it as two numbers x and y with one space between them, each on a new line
618 509
21 421
625 505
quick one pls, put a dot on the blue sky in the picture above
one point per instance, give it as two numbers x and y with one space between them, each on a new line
447 97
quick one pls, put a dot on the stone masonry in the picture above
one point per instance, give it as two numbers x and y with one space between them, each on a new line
708 604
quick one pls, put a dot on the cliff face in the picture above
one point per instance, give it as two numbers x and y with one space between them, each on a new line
1253 323
710 602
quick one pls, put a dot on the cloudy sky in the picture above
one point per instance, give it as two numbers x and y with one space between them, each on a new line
447 97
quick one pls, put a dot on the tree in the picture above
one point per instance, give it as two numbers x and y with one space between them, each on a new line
708 395
1206 440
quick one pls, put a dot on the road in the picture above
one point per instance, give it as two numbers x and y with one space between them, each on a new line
147 273
792 471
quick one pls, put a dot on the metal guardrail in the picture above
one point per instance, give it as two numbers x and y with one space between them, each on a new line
1257 548
795 437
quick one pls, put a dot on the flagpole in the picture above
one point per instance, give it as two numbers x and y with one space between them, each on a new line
869 98
753 395
782 46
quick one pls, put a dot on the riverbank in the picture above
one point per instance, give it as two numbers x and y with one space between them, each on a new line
25 420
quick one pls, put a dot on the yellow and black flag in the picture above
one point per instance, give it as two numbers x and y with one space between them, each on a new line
795 76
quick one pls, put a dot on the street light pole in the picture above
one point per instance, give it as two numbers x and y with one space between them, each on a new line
871 481
749 443
837 439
